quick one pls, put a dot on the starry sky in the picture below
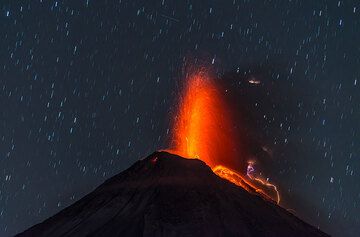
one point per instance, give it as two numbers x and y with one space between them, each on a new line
88 87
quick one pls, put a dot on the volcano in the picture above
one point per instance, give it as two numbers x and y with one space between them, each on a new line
167 195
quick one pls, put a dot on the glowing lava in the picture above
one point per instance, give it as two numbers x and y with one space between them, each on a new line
203 129
250 172
237 179
202 126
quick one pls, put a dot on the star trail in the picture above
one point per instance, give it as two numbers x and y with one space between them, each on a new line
89 87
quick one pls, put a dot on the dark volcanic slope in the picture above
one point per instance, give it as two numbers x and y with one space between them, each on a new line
166 195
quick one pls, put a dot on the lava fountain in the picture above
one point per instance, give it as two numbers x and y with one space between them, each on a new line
203 128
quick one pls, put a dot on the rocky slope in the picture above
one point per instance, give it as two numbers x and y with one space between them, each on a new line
166 195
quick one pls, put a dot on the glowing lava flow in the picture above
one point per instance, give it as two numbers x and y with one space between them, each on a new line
250 173
237 179
203 129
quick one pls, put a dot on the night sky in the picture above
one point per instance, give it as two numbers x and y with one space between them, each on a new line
89 87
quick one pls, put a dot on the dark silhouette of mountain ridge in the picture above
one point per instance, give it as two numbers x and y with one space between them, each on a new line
167 195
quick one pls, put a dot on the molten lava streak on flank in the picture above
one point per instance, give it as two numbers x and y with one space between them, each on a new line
203 129
237 179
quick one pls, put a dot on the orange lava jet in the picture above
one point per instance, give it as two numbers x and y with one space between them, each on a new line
203 129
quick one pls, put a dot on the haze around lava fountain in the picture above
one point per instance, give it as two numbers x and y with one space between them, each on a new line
204 128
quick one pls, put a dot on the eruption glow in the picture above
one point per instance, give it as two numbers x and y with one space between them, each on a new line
203 129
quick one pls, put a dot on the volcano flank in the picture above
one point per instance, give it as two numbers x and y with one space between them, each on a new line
167 195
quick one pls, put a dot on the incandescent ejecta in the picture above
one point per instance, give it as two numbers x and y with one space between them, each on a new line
204 128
